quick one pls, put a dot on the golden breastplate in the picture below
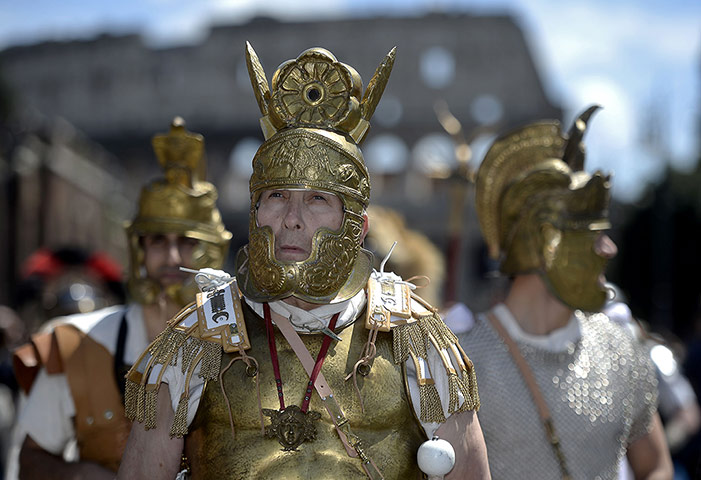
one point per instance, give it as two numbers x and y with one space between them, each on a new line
388 429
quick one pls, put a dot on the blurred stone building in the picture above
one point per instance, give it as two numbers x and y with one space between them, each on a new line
57 189
119 92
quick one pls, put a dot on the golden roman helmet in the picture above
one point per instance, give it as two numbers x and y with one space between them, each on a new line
313 120
536 207
183 203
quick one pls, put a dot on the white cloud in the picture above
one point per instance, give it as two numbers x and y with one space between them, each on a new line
282 9
629 57
178 26
615 123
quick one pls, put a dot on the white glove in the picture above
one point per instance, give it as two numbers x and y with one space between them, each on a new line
208 279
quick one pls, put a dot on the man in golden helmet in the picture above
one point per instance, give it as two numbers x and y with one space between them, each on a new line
77 394
178 208
567 393
309 364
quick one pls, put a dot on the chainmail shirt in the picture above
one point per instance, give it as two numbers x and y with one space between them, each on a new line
599 386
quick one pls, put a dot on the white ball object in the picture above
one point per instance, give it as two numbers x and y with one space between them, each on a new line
436 457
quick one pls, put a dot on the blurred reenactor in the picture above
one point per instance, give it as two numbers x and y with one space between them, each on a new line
78 391
55 282
63 281
678 405
565 393
11 336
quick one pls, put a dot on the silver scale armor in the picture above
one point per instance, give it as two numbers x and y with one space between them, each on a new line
601 390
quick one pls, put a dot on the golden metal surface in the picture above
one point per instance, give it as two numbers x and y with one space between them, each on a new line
313 120
182 202
540 212
388 430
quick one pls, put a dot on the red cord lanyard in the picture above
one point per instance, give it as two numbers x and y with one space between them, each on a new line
276 365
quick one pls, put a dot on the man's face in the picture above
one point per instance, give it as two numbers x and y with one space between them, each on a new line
164 254
575 267
294 216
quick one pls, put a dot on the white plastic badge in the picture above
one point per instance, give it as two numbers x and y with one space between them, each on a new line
386 298
219 315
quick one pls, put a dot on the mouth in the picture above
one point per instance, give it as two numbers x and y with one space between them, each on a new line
291 252
169 277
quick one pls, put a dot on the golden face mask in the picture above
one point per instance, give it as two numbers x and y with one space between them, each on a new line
573 269
313 121
181 203
540 212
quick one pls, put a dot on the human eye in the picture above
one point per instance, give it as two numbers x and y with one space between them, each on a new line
156 240
272 196
187 242
318 197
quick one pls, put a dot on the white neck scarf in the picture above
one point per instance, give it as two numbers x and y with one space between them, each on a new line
559 340
317 319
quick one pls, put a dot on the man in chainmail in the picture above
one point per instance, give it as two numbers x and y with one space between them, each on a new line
566 392
309 364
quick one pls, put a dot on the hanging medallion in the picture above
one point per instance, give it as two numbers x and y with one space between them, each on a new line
291 426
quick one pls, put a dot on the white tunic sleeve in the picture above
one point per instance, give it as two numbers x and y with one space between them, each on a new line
48 413
435 365
176 381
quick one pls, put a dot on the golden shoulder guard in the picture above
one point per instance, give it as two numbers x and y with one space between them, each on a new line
415 326
194 337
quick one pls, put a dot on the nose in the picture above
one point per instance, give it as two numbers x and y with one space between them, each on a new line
174 258
292 219
605 247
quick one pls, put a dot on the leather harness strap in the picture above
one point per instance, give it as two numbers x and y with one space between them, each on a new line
536 394
349 440
120 366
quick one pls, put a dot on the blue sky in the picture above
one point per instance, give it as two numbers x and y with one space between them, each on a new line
640 59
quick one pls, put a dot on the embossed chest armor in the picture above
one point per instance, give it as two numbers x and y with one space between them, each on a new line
389 430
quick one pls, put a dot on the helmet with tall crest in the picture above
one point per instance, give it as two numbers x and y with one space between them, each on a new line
313 120
540 212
